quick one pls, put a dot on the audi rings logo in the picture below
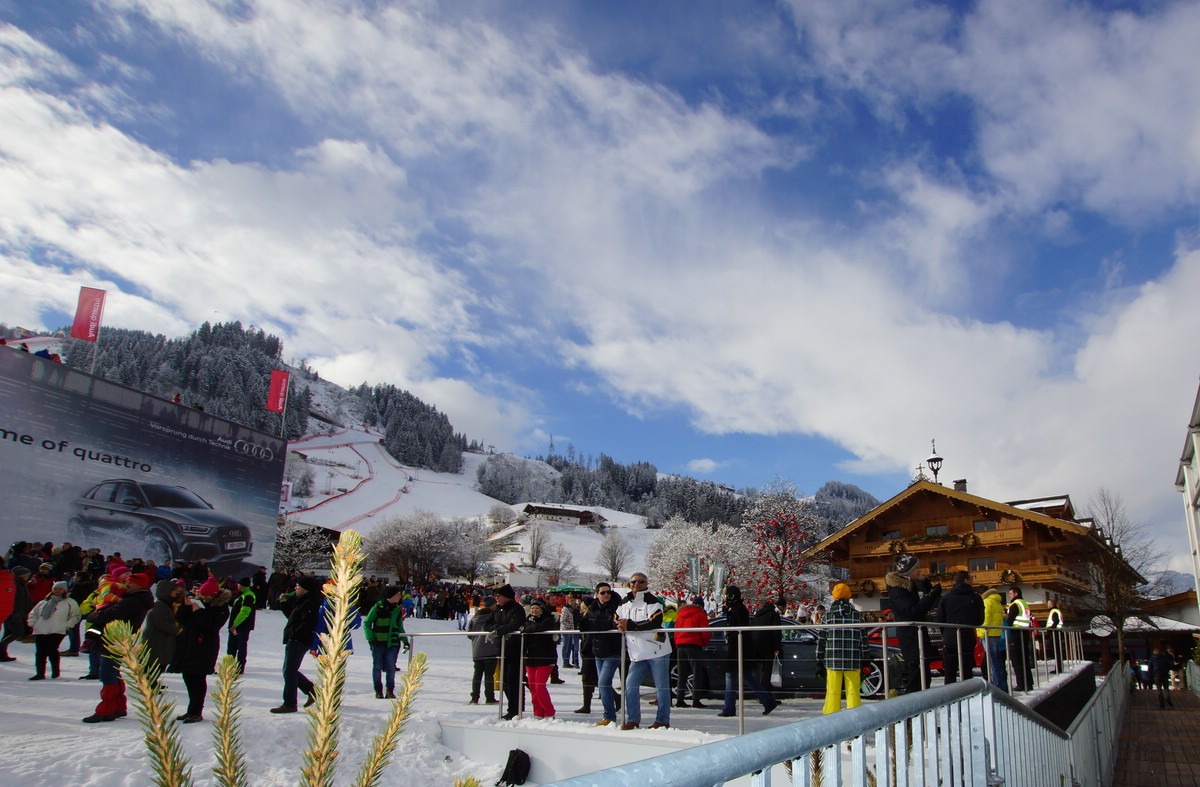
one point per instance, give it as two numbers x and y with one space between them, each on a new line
256 451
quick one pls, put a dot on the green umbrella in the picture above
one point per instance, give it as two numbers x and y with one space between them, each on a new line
569 588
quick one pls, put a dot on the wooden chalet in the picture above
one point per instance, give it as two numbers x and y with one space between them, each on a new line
1038 544
570 515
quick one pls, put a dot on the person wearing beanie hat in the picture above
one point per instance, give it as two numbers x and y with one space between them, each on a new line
131 608
200 619
384 630
910 597
485 653
689 646
540 656
905 563
39 583
842 651
507 622
242 617
303 610
51 618
736 614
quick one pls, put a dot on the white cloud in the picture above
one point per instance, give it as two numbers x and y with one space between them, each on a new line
470 189
704 466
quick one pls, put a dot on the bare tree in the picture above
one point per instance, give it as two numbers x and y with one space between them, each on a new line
614 554
1124 556
559 564
539 542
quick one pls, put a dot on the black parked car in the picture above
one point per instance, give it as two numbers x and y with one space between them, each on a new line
798 660
158 521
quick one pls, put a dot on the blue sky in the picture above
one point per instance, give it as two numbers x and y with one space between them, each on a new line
740 240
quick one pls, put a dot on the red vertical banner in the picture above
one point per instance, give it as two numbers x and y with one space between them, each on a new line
88 314
277 397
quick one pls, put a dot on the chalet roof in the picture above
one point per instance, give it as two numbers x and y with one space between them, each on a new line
1133 625
929 487
1059 507
1189 449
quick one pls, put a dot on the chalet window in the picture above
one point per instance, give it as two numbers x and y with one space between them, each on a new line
938 568
891 535
937 530
986 525
981 564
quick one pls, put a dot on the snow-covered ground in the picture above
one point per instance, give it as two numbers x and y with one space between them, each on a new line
46 743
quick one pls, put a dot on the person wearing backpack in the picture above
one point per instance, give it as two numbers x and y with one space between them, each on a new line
384 630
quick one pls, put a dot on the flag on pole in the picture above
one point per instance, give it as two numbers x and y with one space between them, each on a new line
88 314
277 397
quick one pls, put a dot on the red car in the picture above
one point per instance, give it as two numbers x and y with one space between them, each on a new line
935 654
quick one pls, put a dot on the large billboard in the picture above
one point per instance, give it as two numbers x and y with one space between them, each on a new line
97 464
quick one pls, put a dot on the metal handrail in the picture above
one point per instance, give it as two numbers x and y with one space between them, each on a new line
1073 646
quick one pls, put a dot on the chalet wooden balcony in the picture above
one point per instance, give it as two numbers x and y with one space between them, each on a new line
1053 576
949 542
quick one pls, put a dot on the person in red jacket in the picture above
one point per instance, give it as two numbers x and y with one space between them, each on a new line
688 645
8 590
40 583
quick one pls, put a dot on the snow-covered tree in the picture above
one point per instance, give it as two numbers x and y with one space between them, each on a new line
502 516
475 552
418 546
783 524
298 546
667 558
614 555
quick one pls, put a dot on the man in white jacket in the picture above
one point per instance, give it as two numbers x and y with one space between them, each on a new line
640 618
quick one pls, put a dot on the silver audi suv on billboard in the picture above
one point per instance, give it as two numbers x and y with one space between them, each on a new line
157 522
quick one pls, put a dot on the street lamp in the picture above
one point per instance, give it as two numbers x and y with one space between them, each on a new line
934 461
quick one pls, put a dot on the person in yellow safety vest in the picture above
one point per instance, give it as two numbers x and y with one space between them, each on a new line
1020 641
1055 641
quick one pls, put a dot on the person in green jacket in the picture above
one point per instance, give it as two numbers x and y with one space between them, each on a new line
241 622
384 627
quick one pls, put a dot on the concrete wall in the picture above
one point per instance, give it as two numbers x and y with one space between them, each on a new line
555 754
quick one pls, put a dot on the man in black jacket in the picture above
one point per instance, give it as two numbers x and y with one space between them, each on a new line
910 597
602 646
736 614
766 645
507 621
303 608
961 605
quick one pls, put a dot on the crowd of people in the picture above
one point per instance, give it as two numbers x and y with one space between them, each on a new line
55 593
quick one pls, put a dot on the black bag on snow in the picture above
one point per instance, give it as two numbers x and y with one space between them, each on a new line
516 770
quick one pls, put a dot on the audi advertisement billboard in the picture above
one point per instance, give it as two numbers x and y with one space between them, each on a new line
97 464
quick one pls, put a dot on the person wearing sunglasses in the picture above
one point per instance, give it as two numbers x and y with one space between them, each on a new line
600 627
640 618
